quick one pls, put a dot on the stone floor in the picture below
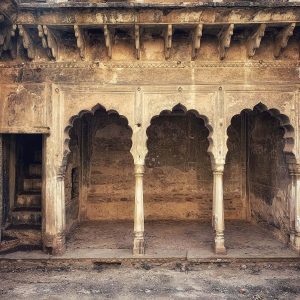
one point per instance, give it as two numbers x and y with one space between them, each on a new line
167 239
194 238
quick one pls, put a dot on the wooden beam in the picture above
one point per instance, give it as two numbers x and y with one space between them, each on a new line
225 39
49 41
28 44
108 41
197 34
168 40
282 38
137 36
254 40
81 41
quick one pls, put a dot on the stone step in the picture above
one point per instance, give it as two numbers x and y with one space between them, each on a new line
32 184
35 170
27 235
29 200
30 216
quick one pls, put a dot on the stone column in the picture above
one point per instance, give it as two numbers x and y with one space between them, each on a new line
296 184
138 243
1 185
292 207
218 209
53 205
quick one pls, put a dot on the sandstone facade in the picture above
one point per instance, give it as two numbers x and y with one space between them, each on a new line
149 110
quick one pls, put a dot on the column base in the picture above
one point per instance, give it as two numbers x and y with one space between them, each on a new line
54 244
219 245
138 243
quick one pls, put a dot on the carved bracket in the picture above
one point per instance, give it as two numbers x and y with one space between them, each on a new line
225 39
49 41
196 40
81 41
27 42
6 43
108 40
137 36
168 41
282 38
255 39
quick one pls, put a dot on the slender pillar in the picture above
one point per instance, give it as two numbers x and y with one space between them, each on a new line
218 209
1 185
138 243
297 209
292 207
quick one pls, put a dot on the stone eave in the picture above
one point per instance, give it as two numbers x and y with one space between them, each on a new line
126 5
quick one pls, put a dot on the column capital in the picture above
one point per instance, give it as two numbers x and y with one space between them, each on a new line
139 169
218 168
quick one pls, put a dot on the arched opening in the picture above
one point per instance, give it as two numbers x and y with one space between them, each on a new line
178 181
261 142
99 181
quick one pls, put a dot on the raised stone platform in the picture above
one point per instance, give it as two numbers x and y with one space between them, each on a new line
166 242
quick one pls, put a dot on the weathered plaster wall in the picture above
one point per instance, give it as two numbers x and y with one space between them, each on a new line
25 107
234 173
111 185
178 177
269 180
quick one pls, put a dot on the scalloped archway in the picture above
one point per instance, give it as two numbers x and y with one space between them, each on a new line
185 110
178 169
289 132
265 139
68 128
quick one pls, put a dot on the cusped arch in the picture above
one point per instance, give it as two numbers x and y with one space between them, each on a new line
69 127
284 123
181 108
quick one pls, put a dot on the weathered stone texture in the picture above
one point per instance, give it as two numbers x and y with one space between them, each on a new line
104 84
268 173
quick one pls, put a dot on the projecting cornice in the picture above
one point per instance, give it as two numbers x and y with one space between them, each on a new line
52 24
97 16
156 4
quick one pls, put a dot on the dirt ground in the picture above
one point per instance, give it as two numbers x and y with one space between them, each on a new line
180 281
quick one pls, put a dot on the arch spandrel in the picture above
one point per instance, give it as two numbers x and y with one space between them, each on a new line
290 135
77 105
120 101
237 101
203 103
171 106
280 104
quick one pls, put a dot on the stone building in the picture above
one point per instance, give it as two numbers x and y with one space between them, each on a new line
138 111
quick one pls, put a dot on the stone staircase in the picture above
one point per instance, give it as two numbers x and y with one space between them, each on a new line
25 218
